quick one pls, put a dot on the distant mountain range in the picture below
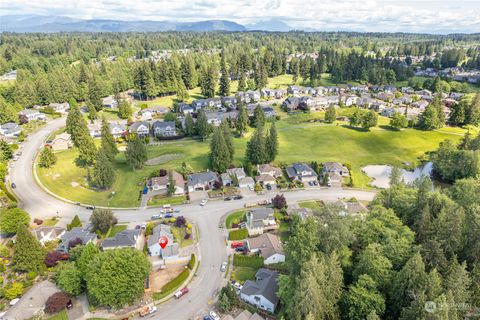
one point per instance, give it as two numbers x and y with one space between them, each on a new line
34 23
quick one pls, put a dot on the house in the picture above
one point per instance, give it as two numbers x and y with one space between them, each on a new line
76 233
130 238
304 213
268 246
294 90
269 169
10 129
226 180
201 181
260 220
185 108
335 167
253 95
109 102
229 102
239 173
161 183
164 129
350 100
377 106
456 95
262 292
153 245
244 315
408 90
266 179
389 89
62 141
45 234
385 96
141 128
269 112
60 107
420 104
118 129
95 129
301 172
389 112
32 115
350 207
216 118
149 113
291 103
246 182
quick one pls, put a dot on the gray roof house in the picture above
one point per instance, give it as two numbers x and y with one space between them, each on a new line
130 238
32 115
260 220
301 172
268 246
117 129
83 234
10 129
45 234
237 172
154 249
262 292
201 181
335 167
141 128
164 129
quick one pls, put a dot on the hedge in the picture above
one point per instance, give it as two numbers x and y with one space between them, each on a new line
176 282
191 263
238 234
247 261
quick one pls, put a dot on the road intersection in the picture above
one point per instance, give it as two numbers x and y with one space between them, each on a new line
211 235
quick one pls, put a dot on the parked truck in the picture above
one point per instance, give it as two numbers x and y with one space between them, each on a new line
147 310
181 293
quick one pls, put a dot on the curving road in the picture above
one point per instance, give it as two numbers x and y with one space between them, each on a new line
212 237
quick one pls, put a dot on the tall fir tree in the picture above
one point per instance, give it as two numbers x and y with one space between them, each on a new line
182 93
136 153
224 78
219 153
258 116
272 143
189 125
28 252
75 123
256 147
242 82
242 120
228 140
203 128
103 172
108 141
94 98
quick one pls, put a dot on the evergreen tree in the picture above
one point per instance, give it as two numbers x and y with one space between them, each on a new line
258 117
330 114
103 171
260 75
224 78
272 143
108 141
203 128
189 125
208 80
242 120
189 73
256 148
136 153
28 252
171 184
473 113
7 112
47 158
94 98
182 93
75 124
363 299
219 154
87 151
124 109
228 140
242 84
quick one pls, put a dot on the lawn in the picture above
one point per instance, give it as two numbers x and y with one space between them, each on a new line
116 229
179 234
109 114
235 217
160 200
62 315
284 231
313 205
242 274
50 222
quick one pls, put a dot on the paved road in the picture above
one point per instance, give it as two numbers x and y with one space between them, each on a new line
212 237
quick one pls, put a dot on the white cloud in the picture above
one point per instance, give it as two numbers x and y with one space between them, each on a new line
440 16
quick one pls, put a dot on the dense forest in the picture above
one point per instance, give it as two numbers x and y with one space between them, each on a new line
59 67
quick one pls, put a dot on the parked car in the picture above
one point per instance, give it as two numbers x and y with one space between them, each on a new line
239 197
13 185
223 268
181 293
203 202
145 190
237 285
147 310
207 317
156 217
315 183
240 249
169 215
90 207
227 199
269 187
236 244
214 316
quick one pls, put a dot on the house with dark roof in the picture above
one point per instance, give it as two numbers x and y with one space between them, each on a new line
10 129
185 108
140 128
260 220
117 129
130 238
350 207
301 172
155 250
201 181
32 115
262 292
76 233
268 246
164 129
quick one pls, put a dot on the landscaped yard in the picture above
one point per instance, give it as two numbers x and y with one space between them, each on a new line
235 217
242 274
179 234
313 205
160 200
116 229
62 315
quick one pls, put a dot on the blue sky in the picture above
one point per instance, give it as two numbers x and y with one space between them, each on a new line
440 16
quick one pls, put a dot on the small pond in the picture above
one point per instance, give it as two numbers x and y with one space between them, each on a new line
381 174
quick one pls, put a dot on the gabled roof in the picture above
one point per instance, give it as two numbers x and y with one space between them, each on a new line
163 125
333 166
266 285
125 238
159 231
136 125
268 244
201 178
261 213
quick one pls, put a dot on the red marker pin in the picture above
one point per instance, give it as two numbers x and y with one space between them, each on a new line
163 241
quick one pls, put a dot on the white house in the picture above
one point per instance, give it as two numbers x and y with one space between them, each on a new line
10 129
268 246
45 234
161 183
32 115
171 249
262 292
141 129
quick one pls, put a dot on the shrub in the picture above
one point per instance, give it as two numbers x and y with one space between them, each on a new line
247 261
279 201
238 234
75 223
180 221
56 302
15 289
176 282
192 261
31 275
4 252
53 257
38 221
162 172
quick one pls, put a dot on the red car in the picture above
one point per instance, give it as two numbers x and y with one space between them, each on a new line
236 244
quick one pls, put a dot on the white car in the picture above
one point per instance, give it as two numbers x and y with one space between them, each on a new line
203 202
237 285
214 316
223 268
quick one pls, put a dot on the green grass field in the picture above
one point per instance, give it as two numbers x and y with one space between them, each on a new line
242 274
297 142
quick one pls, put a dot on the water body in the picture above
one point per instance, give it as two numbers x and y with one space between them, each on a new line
381 174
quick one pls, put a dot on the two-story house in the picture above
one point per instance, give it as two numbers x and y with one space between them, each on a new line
260 220
164 129
262 292
141 129
301 172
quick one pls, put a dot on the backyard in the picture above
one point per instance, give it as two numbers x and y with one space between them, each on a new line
319 142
